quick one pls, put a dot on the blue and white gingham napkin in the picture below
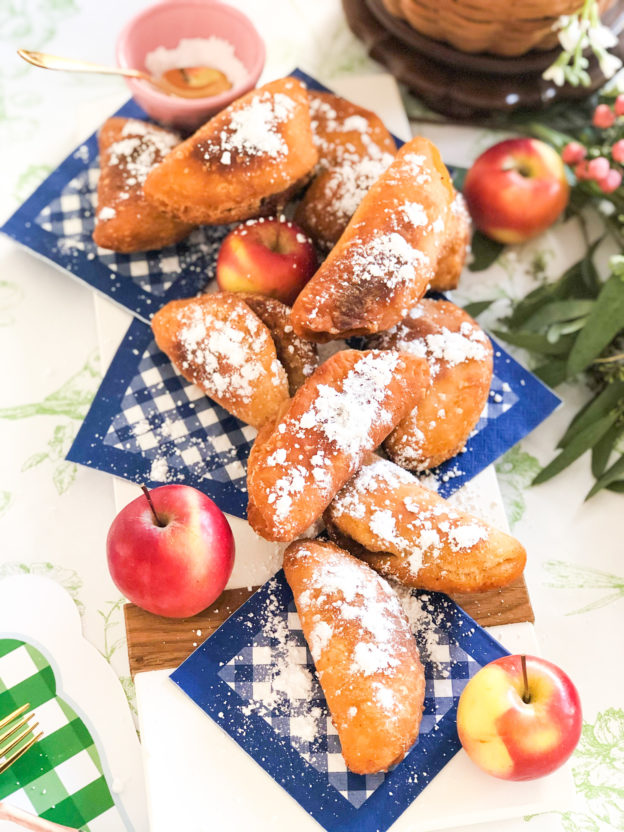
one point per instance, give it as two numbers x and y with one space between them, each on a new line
57 222
230 677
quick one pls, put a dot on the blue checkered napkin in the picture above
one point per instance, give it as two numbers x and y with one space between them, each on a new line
57 222
148 424
235 674
517 404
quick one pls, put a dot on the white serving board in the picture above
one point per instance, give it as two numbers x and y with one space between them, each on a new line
197 777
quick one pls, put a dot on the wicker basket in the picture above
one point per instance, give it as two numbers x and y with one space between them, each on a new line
500 27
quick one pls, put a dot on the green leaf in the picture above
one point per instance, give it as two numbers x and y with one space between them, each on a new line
479 306
530 304
594 409
612 474
484 252
577 822
603 449
534 342
556 331
553 372
63 476
573 283
603 324
581 443
547 134
35 459
557 311
558 290
617 486
589 273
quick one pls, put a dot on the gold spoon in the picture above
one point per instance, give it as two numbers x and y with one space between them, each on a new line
45 61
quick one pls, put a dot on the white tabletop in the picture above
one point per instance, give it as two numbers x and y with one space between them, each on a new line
54 516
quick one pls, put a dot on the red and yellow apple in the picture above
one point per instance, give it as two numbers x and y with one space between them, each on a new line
516 189
267 256
173 559
510 737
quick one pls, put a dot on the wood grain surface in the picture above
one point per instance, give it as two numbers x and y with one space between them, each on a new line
156 643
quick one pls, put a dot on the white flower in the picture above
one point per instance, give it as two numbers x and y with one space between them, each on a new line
555 74
601 37
573 34
609 64
561 23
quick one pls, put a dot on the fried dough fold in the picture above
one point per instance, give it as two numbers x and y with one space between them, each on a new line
298 356
365 654
125 221
218 343
460 359
355 148
245 162
406 531
346 408
388 254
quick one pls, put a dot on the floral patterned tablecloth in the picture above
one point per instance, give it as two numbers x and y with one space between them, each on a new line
54 516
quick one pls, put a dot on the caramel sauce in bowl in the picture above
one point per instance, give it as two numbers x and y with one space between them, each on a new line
195 82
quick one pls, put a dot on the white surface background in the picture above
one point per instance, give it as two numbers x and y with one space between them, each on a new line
53 520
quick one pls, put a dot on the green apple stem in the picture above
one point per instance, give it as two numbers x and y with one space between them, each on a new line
526 696
145 490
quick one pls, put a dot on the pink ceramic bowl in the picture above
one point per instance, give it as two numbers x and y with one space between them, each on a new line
165 24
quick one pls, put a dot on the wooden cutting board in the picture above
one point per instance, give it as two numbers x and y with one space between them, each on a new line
156 643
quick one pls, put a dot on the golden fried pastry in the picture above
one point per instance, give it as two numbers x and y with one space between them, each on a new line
459 355
341 129
125 221
365 655
298 357
218 343
354 149
245 162
405 531
346 408
388 253
453 256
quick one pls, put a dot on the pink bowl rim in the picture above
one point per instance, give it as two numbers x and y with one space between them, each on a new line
190 105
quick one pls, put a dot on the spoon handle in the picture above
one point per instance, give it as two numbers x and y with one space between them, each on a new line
45 61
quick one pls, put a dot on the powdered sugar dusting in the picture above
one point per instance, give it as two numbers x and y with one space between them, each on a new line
290 685
254 130
347 416
352 167
218 352
406 519
141 147
212 51
415 213
348 182
442 348
355 594
386 258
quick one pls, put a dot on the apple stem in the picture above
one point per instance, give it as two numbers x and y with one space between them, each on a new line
526 696
145 490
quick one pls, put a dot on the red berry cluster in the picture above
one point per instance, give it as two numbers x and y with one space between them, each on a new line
599 169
